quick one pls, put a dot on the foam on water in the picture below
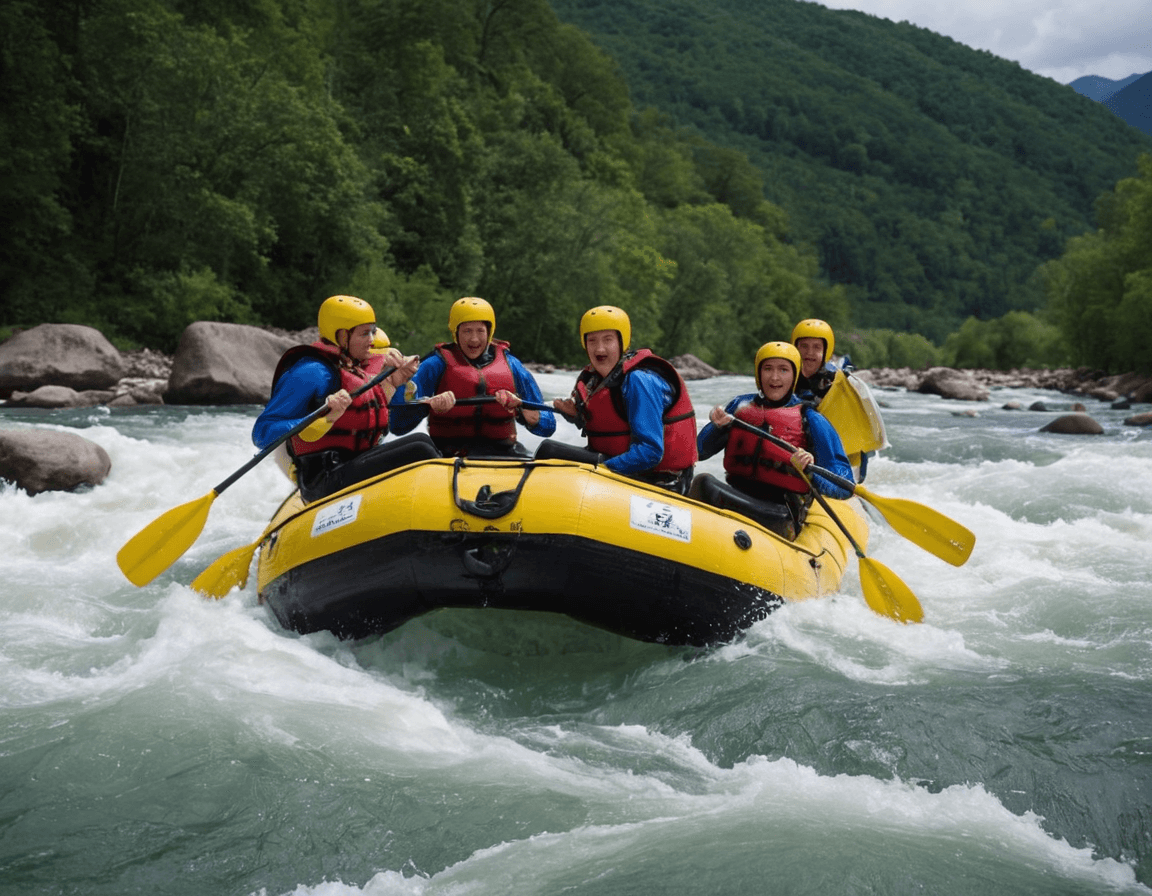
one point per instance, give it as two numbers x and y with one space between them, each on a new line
184 735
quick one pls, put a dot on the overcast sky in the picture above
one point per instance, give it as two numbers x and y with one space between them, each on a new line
1060 39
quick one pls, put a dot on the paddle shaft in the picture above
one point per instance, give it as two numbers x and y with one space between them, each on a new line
300 427
490 399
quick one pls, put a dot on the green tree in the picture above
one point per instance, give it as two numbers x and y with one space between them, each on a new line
1099 290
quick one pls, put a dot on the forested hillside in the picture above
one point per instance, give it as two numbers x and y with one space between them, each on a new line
933 179
165 161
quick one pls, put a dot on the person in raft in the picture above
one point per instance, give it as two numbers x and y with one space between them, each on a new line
632 405
814 340
475 364
761 480
340 448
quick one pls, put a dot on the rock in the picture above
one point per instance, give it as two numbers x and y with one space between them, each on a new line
1074 424
960 385
1038 406
1012 406
219 363
1123 405
58 355
41 460
692 368
1144 419
969 413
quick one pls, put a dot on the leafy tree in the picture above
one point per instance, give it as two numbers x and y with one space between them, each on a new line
1099 289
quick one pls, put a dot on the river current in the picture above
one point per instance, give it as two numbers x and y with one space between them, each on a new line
154 742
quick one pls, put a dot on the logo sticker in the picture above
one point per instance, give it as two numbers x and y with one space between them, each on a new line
661 519
336 515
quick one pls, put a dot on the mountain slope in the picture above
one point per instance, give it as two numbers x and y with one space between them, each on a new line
1134 103
932 178
1097 88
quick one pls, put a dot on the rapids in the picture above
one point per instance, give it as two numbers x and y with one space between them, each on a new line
155 742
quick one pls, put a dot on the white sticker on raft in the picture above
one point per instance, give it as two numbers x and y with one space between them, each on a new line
337 515
661 519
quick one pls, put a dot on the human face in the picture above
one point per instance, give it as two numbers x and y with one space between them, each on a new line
776 378
603 350
359 341
472 337
811 350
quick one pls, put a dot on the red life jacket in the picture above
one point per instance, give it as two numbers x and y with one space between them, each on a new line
752 457
604 417
483 421
366 420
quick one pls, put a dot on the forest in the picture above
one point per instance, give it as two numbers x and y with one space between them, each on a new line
167 161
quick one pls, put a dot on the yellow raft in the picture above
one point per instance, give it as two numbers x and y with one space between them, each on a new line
542 535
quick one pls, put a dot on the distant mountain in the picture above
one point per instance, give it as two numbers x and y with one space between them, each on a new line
1134 103
1096 88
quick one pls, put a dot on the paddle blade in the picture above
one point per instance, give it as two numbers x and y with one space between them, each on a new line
928 528
887 594
226 572
162 542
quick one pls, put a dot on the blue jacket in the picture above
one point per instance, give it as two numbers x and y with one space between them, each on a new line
406 418
303 388
647 396
825 445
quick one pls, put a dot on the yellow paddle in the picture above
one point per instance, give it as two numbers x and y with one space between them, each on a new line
884 591
163 541
923 526
226 572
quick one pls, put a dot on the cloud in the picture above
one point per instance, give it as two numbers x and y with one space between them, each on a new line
1061 39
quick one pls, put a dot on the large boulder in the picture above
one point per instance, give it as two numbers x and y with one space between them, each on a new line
692 368
40 460
1144 419
58 355
1074 424
960 385
224 364
60 397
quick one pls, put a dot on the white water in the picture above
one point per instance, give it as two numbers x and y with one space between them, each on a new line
151 741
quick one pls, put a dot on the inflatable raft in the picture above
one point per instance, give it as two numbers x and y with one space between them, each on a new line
541 535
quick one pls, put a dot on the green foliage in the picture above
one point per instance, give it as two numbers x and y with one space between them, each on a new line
932 179
164 161
1018 339
887 348
1100 290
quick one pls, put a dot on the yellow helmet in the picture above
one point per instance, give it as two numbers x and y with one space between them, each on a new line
785 350
343 313
380 342
815 329
606 317
468 309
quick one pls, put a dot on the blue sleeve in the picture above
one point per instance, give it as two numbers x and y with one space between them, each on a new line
527 389
646 396
712 438
300 391
404 417
828 450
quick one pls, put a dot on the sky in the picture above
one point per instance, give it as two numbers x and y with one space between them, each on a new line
1060 39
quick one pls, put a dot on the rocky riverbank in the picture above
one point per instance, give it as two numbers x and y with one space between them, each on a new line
67 366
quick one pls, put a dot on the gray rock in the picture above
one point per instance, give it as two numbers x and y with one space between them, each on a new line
692 368
1074 424
41 460
219 363
58 355
1012 406
959 385
1038 406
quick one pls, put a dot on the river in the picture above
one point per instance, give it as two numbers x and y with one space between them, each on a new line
155 742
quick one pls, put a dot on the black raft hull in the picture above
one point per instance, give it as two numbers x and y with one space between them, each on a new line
548 536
